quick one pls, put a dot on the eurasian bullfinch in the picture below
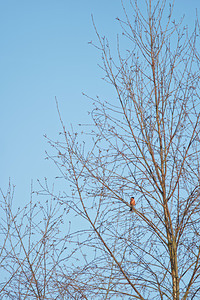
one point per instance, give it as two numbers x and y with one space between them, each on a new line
132 203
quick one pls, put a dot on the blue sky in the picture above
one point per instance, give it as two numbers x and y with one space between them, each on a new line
45 53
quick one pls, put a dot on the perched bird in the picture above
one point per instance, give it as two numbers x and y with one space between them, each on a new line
132 203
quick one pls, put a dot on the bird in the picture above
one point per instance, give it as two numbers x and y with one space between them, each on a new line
132 203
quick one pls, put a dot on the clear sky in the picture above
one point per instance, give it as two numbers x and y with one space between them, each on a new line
45 53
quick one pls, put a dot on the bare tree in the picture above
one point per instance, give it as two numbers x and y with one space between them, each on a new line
34 250
143 144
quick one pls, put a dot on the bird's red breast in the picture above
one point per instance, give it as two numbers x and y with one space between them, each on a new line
132 202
